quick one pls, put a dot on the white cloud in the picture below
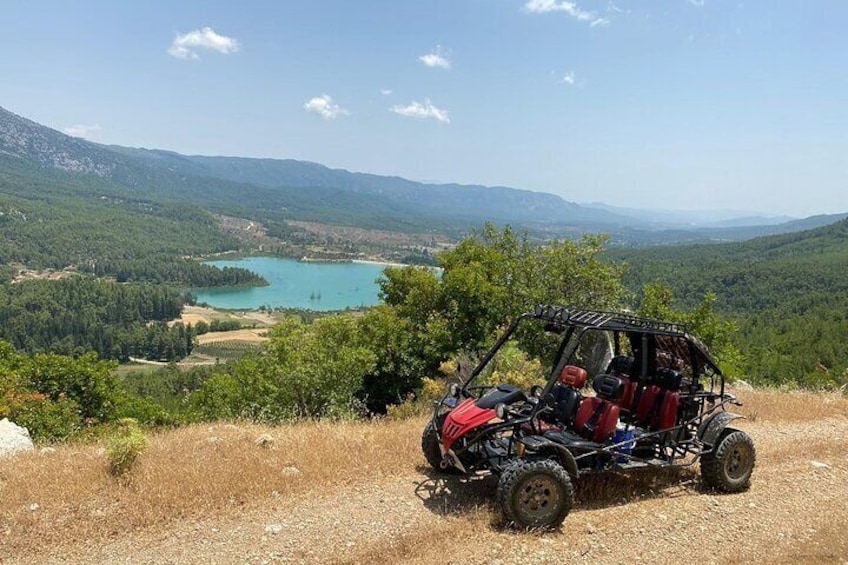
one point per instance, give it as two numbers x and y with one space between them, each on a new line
79 130
421 111
697 3
325 107
568 78
186 45
570 8
386 91
436 58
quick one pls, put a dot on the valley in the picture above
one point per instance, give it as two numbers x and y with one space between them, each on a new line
100 244
515 282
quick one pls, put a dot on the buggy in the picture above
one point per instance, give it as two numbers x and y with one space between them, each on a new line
660 402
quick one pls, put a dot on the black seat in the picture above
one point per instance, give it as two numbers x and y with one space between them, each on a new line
609 387
668 379
572 440
567 401
621 365
506 394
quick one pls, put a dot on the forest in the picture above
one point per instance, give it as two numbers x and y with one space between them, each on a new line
77 315
787 295
427 328
50 219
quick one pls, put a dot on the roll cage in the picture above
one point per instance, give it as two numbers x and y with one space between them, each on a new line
680 445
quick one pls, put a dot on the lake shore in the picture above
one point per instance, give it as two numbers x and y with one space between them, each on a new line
308 285
376 262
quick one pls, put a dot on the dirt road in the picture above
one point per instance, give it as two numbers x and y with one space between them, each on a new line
795 512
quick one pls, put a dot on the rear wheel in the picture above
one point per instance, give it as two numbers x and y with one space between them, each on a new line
729 467
535 494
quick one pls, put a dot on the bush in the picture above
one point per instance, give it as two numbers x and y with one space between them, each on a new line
145 411
512 366
308 371
86 380
124 447
46 420
412 407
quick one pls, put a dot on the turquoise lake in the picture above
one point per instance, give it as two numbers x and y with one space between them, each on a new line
292 284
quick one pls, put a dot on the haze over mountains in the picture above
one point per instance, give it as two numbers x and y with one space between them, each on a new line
282 189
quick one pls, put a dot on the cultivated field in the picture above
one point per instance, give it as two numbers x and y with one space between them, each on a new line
360 493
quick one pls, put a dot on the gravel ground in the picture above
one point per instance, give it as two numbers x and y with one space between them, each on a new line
795 512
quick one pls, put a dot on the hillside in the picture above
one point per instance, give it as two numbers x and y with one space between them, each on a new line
287 188
211 494
275 190
472 202
788 293
751 275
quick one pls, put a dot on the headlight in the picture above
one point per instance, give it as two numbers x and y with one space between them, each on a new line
453 390
500 411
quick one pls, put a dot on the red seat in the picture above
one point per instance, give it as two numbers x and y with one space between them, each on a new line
657 408
573 376
566 395
626 401
596 419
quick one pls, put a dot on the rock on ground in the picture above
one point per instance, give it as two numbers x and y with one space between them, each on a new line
13 438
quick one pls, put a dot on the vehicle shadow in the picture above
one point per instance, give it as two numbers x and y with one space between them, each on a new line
603 490
446 494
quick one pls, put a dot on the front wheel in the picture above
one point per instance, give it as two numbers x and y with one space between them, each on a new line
535 494
430 446
432 453
729 466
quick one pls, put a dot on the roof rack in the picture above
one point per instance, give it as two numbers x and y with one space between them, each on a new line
615 321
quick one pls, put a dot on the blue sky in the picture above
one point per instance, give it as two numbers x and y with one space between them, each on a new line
679 104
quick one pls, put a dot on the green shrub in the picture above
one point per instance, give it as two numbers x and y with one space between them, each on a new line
146 411
124 447
412 407
308 371
45 419
86 380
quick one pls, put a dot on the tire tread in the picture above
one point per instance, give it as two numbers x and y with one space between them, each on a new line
511 477
711 463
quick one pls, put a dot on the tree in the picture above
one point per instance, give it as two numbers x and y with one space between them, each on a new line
491 278
716 333
308 371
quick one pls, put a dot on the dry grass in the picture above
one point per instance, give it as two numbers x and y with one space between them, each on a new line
191 472
194 314
366 483
251 336
774 405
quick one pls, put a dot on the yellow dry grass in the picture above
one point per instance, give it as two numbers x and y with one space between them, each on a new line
247 336
198 479
194 314
191 472
799 406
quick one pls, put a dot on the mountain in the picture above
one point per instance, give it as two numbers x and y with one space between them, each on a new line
647 237
469 202
275 190
290 189
744 221
690 219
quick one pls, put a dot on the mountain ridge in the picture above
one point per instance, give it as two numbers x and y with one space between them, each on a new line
276 190
280 184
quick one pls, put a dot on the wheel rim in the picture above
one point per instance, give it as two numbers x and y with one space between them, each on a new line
539 498
738 462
